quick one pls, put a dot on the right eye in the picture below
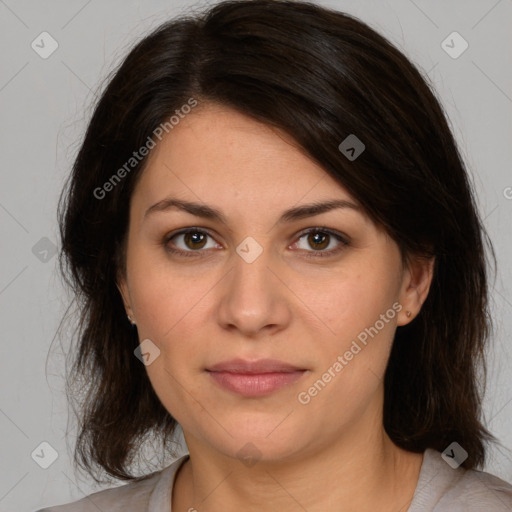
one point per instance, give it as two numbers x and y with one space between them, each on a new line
192 240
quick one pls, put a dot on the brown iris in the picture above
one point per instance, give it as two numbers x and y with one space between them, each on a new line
196 238
318 240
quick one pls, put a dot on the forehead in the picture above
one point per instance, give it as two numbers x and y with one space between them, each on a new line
218 155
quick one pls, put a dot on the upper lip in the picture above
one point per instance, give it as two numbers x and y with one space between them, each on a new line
253 367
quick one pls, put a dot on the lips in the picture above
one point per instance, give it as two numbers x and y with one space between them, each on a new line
254 367
254 378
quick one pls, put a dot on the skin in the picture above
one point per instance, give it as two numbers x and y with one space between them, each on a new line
331 453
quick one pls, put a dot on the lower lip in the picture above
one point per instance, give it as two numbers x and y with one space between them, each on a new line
259 384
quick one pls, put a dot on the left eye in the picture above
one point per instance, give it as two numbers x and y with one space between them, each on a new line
320 240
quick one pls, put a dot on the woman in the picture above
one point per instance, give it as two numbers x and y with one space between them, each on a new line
271 195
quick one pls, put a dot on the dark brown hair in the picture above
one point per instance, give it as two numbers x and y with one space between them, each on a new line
319 75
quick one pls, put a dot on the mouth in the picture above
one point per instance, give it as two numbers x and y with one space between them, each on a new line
254 378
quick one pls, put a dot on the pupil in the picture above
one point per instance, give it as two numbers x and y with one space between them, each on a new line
195 238
319 239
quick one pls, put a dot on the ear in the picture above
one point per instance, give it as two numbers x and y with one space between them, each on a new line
416 282
122 286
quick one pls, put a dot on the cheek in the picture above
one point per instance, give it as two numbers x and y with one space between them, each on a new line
351 300
358 311
163 295
171 308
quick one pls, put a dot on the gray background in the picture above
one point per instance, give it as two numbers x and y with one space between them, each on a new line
44 107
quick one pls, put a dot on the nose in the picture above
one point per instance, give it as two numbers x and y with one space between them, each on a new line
253 299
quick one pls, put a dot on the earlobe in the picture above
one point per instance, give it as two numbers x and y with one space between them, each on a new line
416 285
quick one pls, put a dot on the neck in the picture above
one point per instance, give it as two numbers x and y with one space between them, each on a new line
364 471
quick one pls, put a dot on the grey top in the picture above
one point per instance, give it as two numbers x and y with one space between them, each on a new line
440 489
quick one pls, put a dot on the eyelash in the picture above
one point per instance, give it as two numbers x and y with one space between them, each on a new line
312 254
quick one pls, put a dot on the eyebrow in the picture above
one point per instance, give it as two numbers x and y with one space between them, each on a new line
209 212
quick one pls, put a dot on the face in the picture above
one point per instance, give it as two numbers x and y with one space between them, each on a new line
237 279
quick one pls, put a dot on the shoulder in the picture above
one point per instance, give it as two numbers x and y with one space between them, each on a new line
140 496
478 490
441 488
131 496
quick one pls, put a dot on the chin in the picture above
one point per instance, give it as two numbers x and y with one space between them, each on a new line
256 437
